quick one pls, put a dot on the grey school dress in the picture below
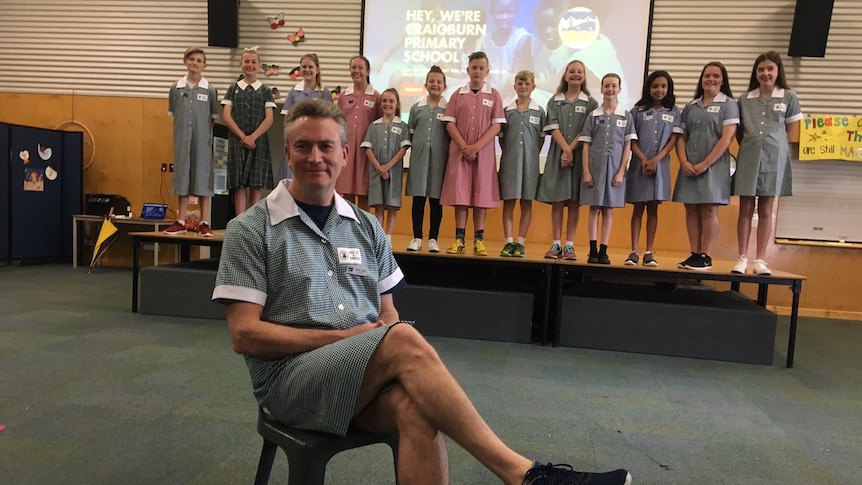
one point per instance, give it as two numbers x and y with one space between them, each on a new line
703 124
306 277
193 108
607 135
654 128
385 139
248 168
561 184
519 140
429 149
763 165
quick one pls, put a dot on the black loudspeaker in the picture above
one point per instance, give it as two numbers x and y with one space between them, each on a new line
223 23
810 28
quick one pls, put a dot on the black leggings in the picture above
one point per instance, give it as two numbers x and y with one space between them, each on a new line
419 215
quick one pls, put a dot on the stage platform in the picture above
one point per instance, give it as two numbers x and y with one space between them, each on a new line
560 302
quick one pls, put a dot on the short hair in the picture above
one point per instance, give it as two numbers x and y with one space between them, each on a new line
476 56
525 75
192 51
319 109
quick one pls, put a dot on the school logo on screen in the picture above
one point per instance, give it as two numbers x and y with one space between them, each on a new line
579 27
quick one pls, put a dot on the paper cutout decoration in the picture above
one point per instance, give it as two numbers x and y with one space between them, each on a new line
276 22
34 180
336 92
294 73
297 37
107 234
44 152
275 93
24 155
270 69
50 173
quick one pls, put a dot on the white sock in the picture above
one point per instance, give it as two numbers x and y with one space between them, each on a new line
570 243
509 240
557 242
522 240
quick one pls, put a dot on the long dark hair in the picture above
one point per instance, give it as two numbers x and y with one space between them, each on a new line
775 57
646 100
725 82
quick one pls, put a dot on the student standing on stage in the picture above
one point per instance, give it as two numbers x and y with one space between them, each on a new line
769 115
193 104
656 121
248 108
385 145
474 115
560 184
607 139
428 153
521 139
360 104
703 184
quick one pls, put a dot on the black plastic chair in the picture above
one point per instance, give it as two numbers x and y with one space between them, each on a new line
308 452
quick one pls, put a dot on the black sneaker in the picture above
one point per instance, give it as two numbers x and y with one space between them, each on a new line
603 258
701 263
566 475
593 258
650 261
689 260
632 260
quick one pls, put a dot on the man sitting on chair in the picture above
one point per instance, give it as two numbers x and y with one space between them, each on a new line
307 280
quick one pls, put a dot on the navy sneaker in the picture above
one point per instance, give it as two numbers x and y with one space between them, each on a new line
563 474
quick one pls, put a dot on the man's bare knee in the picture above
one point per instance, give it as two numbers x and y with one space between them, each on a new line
405 343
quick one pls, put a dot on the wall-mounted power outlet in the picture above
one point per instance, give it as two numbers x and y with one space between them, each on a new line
164 167
171 168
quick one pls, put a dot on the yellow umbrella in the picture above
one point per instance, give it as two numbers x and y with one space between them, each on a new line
107 234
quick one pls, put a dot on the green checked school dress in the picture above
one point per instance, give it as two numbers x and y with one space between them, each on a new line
248 168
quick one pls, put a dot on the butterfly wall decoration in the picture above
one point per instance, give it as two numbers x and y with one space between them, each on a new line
336 92
270 69
297 37
276 22
294 73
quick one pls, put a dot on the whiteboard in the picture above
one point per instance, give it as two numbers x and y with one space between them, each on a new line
826 204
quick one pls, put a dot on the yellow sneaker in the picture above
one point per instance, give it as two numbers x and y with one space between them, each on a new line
457 247
479 248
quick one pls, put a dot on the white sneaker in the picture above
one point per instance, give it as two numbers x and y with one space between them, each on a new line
741 266
760 267
415 245
433 247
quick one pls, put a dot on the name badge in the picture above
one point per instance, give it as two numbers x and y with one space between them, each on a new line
622 123
668 118
534 120
647 117
713 109
488 102
356 269
780 107
203 97
580 109
396 130
439 116
369 103
349 256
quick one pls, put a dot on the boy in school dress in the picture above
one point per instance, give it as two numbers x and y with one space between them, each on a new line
193 104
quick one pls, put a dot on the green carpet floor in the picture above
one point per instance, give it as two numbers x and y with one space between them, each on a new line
91 393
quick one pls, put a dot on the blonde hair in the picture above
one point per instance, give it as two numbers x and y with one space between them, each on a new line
525 75
318 84
252 50
564 85
192 51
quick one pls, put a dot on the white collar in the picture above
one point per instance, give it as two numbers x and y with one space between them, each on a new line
485 89
395 120
369 90
619 111
301 87
242 84
281 205
514 105
203 83
440 104
719 98
776 93
582 96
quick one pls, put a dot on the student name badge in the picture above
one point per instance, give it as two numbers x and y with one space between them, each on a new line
369 103
349 256
396 130
668 118
356 270
439 116
647 116
203 97
622 123
534 120
488 102
580 109
713 109
780 107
